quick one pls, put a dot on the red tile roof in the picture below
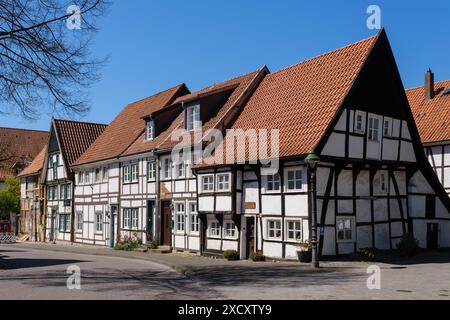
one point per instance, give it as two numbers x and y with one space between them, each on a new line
163 140
301 100
19 145
432 116
128 126
36 165
75 137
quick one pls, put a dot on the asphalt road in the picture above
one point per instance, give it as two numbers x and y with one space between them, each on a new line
38 274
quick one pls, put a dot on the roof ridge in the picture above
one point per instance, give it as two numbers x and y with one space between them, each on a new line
419 87
24 129
156 94
325 53
78 121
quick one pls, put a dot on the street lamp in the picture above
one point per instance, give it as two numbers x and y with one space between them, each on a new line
311 161
36 204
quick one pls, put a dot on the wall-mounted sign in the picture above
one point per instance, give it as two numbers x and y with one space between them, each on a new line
250 205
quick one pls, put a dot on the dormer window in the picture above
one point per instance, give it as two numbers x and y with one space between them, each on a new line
149 130
193 118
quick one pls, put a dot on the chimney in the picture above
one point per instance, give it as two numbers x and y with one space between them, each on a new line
429 85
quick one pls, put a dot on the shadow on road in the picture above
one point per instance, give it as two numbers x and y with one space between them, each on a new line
21 263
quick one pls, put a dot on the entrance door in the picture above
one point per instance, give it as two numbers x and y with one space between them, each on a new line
150 214
250 234
166 224
52 224
432 235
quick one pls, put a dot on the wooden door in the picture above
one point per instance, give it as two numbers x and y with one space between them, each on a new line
250 235
166 224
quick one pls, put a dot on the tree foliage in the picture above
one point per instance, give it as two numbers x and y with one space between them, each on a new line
44 56
9 198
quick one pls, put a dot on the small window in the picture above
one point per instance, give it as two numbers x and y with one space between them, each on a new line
223 182
196 157
230 230
194 220
126 174
130 218
294 179
387 127
345 228
134 172
149 130
273 182
98 176
151 170
87 177
181 169
214 229
193 118
208 183
64 223
127 218
179 217
79 221
359 122
373 131
99 222
105 173
430 207
274 229
167 168
80 177
383 183
134 218
294 230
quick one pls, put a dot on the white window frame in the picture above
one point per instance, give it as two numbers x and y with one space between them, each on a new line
352 229
149 130
97 175
80 177
286 179
151 170
167 169
105 173
288 229
216 227
276 228
229 230
66 228
389 127
363 122
180 213
87 177
134 169
126 175
80 222
211 183
134 218
130 218
181 165
373 132
99 223
193 218
193 117
218 182
272 181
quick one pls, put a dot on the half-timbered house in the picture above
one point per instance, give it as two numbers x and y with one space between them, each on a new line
430 105
374 183
68 140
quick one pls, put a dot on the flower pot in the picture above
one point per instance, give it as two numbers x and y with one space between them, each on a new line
304 255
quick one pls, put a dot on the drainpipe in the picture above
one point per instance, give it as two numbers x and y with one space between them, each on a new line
157 231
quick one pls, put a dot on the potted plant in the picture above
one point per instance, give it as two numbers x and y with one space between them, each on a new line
304 250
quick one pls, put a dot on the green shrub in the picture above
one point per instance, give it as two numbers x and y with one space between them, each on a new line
368 254
257 256
152 243
231 255
128 244
408 245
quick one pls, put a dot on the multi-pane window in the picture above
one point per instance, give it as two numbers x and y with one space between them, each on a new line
223 182
79 221
105 173
214 229
387 127
179 217
65 191
193 118
54 165
80 177
194 221
208 183
126 174
373 130
167 168
345 229
98 176
274 229
359 122
134 172
229 230
130 218
87 177
149 130
64 223
181 169
151 170
273 182
294 179
52 193
99 222
294 230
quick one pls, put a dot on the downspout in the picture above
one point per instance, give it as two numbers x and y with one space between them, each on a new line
157 201
72 199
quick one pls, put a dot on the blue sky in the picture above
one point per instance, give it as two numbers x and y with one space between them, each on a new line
153 45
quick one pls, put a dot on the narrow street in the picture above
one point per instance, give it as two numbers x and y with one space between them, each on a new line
38 271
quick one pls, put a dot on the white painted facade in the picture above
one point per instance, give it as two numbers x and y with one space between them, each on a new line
439 158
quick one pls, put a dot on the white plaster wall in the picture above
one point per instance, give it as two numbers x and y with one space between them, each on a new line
296 205
333 146
223 203
271 204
